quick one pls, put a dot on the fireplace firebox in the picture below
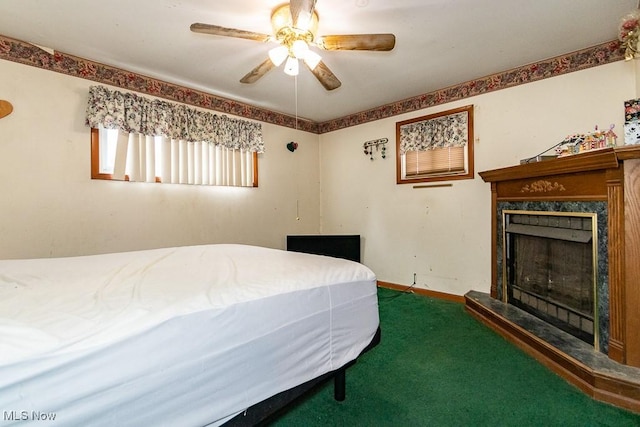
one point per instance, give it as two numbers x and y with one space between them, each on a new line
549 269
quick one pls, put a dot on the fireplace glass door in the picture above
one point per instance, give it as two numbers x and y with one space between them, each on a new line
549 268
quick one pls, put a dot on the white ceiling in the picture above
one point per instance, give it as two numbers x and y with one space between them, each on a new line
439 43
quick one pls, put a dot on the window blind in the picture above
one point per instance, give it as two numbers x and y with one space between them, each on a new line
435 161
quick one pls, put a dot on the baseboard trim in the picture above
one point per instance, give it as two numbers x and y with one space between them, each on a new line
424 292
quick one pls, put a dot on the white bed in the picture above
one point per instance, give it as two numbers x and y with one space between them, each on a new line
185 336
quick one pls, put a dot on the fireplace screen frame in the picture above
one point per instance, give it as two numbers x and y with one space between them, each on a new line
594 251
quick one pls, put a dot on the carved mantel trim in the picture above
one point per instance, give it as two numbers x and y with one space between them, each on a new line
542 186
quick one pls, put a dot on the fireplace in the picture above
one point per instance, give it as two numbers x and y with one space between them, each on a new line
556 254
597 196
550 259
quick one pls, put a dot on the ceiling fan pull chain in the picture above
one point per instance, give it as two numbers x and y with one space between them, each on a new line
295 80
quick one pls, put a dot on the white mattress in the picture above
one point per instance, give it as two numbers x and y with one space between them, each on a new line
184 336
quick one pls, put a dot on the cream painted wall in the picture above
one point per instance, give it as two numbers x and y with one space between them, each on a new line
443 234
49 206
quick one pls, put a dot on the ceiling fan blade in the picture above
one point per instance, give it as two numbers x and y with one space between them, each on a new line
301 9
228 32
325 76
379 42
262 69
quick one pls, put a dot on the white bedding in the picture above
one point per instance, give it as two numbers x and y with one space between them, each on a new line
178 336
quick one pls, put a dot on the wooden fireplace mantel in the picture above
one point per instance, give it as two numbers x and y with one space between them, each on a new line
611 175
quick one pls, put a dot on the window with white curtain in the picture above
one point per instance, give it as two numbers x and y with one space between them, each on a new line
134 157
141 140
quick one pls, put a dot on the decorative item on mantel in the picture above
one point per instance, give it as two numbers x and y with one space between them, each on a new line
582 142
632 122
379 144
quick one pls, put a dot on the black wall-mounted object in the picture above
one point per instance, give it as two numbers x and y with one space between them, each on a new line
340 246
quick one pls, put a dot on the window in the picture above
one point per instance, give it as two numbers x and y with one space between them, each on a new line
196 147
117 155
437 147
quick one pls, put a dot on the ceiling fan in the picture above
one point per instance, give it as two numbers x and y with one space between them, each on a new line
295 26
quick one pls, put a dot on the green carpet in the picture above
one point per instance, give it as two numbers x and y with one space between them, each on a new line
438 366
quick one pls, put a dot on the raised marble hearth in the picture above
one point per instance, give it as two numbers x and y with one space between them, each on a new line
571 358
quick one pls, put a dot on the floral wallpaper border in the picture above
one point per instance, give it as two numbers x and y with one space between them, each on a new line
580 60
28 54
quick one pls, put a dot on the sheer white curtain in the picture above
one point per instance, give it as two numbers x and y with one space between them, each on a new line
146 158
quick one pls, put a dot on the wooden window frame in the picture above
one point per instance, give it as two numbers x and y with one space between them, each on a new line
95 162
440 176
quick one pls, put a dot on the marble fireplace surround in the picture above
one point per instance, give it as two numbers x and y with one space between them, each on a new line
602 288
606 182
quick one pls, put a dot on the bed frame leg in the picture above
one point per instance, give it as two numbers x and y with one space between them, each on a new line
339 384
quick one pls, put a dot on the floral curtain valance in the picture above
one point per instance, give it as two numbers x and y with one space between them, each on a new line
132 113
439 132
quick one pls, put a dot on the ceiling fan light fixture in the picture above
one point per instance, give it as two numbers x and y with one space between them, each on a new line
291 67
299 48
294 30
278 55
312 59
